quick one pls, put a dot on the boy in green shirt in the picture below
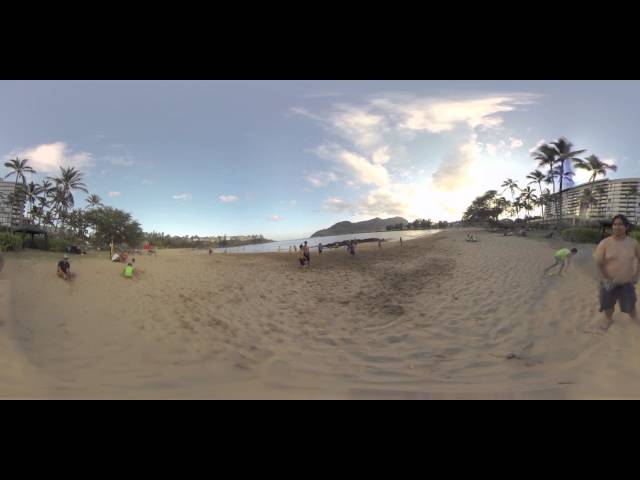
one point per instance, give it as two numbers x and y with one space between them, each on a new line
128 270
563 258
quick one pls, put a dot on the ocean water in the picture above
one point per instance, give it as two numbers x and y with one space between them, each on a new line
284 245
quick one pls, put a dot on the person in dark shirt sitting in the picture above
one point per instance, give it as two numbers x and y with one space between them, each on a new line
64 269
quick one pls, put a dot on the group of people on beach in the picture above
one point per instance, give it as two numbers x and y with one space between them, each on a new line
617 259
304 257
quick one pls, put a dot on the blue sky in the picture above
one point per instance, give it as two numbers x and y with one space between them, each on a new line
286 158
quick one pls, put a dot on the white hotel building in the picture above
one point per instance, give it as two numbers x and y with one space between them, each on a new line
611 197
5 209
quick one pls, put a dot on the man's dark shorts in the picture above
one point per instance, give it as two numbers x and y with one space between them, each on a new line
625 294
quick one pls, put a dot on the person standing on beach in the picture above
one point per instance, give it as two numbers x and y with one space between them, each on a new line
379 243
307 253
301 258
400 241
617 259
320 249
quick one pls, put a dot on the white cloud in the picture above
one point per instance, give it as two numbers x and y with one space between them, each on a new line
363 170
437 115
453 172
119 161
49 157
228 198
381 152
516 143
381 155
293 203
383 202
114 194
321 179
183 196
336 204
146 181
541 142
356 165
305 113
275 218
359 126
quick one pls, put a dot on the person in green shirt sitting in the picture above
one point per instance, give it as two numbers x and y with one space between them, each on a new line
128 270
563 258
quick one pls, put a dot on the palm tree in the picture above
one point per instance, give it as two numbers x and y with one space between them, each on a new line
18 168
527 198
59 204
547 157
516 206
537 177
510 185
595 166
564 149
69 180
93 201
32 193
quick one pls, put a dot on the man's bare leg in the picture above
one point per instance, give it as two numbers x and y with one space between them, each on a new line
608 314
552 266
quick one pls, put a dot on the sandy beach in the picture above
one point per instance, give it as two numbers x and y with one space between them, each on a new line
437 318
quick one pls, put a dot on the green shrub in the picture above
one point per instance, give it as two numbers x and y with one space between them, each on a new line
9 241
635 234
582 235
59 244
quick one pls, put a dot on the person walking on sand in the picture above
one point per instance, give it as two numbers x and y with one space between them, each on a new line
379 243
320 249
563 258
301 258
616 259
307 253
400 241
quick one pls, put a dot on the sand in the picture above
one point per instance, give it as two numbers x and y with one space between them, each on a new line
437 318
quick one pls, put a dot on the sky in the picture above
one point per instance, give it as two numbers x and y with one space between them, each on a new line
287 158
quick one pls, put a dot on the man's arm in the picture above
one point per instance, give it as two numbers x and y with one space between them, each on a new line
637 274
599 256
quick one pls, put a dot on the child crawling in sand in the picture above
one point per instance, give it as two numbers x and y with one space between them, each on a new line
563 258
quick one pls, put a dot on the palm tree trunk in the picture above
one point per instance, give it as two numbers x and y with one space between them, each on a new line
541 204
559 203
